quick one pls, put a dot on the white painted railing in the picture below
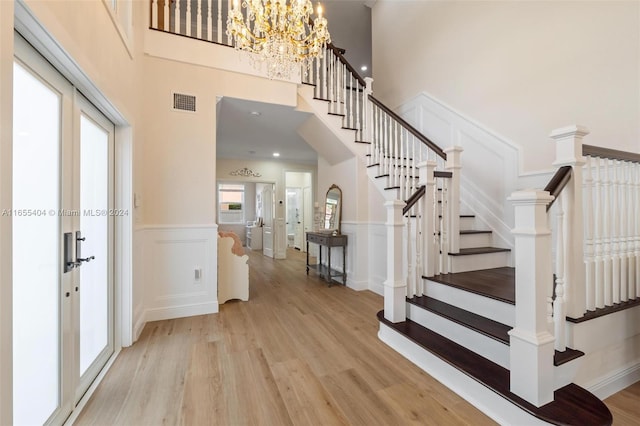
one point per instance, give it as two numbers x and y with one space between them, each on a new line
612 231
598 251
200 19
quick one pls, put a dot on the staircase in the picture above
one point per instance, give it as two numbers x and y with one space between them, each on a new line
460 290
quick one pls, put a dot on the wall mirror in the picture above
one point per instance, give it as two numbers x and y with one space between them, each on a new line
333 209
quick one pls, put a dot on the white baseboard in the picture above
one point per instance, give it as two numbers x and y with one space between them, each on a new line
478 395
157 314
377 288
604 387
141 321
358 285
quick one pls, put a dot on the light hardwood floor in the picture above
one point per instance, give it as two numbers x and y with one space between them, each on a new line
297 353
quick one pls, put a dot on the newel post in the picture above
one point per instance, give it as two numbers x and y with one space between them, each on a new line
395 288
368 111
532 346
569 153
453 164
426 178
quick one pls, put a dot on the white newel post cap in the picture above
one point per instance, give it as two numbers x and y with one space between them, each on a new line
530 207
425 172
453 157
369 82
394 212
569 145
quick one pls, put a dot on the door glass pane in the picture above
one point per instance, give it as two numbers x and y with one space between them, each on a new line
94 205
36 257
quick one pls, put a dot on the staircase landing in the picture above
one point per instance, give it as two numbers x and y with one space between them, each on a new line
496 283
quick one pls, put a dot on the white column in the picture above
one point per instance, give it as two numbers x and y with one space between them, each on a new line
531 347
429 214
395 289
454 165
569 153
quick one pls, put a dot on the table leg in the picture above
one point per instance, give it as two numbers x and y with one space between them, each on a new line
344 265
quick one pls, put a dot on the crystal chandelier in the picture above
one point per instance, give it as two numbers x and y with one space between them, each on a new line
280 33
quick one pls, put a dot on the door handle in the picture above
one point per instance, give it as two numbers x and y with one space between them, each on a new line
79 240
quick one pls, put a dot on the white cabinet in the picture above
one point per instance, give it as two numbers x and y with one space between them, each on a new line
254 237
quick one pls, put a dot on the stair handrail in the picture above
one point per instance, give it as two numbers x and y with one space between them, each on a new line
557 183
339 54
435 148
612 154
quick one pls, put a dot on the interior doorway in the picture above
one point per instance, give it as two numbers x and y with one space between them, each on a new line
299 208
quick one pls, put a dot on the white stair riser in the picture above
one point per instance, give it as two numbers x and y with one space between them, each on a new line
476 262
467 223
485 346
475 240
496 310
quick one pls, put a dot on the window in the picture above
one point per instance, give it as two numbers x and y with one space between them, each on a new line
231 203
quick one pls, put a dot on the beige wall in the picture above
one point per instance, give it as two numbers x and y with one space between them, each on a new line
180 156
519 68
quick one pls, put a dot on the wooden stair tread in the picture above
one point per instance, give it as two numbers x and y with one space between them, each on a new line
486 326
365 142
496 283
572 404
479 250
482 325
474 231
599 312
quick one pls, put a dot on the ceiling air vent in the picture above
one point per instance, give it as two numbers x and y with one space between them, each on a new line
182 102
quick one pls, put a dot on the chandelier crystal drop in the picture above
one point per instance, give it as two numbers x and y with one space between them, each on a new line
280 33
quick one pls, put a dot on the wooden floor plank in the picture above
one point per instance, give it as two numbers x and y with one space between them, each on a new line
249 364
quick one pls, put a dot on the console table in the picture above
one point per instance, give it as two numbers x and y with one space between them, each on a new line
329 241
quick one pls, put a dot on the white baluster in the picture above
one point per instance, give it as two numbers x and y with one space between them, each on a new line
558 304
397 160
199 22
622 235
344 95
589 237
177 18
188 18
631 287
351 104
209 22
229 7
165 17
419 241
608 273
154 14
615 233
402 171
444 261
599 235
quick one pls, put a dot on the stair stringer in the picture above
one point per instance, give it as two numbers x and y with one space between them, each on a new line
319 108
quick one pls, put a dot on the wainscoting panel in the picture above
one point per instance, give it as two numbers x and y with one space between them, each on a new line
491 164
378 257
171 257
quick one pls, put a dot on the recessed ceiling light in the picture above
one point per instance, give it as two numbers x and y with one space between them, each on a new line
255 113
252 152
276 154
363 68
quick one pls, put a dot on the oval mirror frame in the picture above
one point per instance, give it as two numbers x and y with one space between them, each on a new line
333 209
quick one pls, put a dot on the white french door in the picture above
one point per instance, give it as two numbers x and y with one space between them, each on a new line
63 307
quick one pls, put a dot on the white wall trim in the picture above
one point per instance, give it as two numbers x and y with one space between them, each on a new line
605 386
180 311
140 318
178 226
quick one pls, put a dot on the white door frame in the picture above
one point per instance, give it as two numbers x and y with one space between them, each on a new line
31 29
